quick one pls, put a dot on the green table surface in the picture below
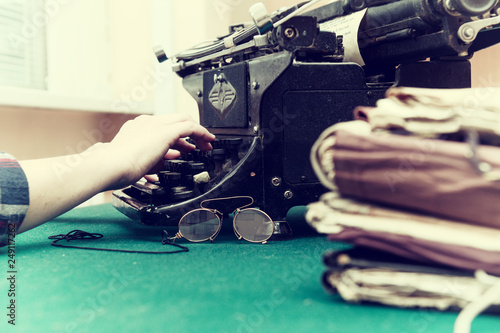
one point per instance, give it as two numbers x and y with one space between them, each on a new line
227 286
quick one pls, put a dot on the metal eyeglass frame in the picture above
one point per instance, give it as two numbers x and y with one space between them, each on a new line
220 215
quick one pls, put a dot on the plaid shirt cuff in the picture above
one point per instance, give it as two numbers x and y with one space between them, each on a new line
14 196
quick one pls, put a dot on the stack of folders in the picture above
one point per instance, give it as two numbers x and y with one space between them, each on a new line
414 187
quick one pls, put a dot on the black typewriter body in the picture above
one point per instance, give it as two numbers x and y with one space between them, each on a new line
266 109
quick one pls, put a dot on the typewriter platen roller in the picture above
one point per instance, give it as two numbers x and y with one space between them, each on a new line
268 90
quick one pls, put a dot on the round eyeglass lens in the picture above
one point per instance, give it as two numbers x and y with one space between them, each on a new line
199 225
253 225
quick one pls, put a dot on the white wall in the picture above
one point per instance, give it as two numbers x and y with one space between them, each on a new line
194 21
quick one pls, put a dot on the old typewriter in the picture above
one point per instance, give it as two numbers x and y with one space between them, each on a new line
268 89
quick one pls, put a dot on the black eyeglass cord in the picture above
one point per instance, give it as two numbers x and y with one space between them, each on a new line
79 235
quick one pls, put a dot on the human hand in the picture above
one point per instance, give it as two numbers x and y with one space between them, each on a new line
139 148
143 143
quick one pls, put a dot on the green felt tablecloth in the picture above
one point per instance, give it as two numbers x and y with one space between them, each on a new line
227 286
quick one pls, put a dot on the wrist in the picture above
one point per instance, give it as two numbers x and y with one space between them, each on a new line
112 164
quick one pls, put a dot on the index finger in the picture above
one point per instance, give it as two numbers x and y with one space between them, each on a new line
199 134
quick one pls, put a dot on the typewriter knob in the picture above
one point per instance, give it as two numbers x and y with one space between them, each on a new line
160 54
261 17
357 4
470 7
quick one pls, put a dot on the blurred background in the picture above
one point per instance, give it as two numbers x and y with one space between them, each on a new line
73 71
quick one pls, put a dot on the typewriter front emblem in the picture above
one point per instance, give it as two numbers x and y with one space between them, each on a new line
222 95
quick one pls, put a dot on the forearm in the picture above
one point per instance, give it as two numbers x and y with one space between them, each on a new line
58 184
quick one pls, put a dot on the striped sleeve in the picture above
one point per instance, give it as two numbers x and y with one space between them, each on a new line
14 197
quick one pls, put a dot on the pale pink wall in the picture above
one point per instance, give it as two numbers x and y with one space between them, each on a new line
29 133
485 69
